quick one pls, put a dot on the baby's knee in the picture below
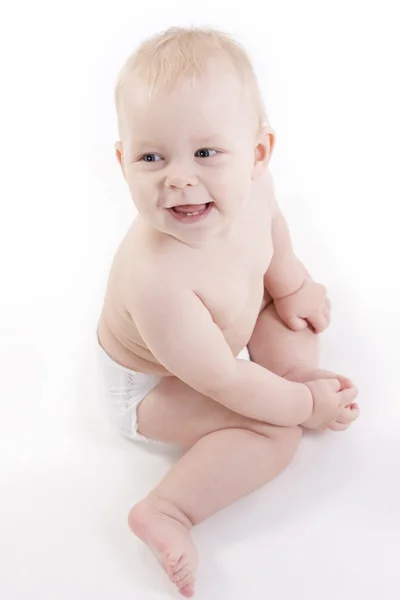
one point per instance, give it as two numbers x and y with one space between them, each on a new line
288 439
288 435
301 371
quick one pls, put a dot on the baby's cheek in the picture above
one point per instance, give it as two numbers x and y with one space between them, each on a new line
142 191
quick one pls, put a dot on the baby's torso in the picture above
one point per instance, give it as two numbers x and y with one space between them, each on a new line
228 279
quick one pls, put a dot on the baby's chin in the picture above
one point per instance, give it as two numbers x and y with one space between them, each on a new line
196 229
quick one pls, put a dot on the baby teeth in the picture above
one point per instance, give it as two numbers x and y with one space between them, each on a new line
191 214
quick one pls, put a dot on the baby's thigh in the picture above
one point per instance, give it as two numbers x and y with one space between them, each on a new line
174 413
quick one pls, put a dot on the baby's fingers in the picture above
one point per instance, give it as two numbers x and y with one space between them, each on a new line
334 384
318 322
345 382
336 426
346 417
348 395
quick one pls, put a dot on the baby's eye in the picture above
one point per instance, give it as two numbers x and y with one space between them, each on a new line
205 152
150 157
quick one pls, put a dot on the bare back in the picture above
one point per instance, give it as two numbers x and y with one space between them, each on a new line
227 277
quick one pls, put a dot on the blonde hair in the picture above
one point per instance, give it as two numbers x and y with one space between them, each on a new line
166 58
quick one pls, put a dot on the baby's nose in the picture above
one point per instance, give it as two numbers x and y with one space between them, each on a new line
180 178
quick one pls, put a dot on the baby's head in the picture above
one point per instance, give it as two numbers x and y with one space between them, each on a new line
193 131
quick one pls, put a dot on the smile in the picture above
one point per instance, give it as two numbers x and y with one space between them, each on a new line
191 214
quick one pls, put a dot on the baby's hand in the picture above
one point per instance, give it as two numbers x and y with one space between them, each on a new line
309 305
333 406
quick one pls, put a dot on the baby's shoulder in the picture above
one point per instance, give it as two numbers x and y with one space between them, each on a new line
148 265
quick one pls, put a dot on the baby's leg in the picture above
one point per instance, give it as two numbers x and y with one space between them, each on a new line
230 456
290 354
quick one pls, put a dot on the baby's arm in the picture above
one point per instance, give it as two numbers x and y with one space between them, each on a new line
180 332
299 301
285 274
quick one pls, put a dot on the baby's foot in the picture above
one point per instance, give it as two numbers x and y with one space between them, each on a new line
166 531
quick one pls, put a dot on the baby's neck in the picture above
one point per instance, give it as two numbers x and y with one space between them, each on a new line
207 244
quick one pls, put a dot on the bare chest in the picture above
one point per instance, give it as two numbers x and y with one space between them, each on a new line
231 284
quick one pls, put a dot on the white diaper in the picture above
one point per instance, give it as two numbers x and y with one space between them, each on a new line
122 390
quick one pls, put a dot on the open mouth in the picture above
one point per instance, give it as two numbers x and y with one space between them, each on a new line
191 212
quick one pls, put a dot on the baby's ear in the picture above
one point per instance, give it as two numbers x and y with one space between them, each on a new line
119 152
265 143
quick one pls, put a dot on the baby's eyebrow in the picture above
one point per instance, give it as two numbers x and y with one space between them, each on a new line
211 139
144 144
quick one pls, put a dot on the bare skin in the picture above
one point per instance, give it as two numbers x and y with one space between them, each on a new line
175 413
200 292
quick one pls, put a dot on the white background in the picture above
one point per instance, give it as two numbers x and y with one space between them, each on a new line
330 525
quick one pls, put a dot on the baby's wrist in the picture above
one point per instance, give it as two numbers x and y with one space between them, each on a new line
306 402
286 291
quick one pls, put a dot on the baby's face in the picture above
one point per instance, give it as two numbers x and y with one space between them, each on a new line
190 150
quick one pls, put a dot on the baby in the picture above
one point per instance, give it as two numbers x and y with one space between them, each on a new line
208 337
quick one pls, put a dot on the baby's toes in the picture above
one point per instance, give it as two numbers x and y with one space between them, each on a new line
181 575
187 588
186 581
174 566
